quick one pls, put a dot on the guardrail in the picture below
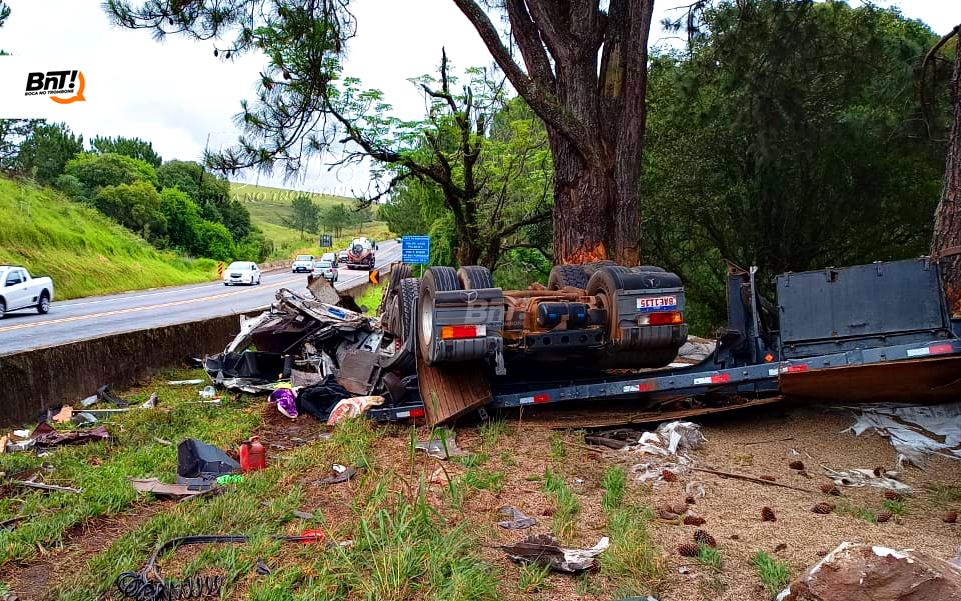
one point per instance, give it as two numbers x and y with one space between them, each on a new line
35 380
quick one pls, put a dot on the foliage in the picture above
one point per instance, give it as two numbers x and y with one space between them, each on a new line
613 482
134 148
96 171
183 220
215 241
788 137
304 214
44 154
632 563
13 133
135 206
774 574
211 193
51 235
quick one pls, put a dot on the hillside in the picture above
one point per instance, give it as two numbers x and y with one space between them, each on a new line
84 252
269 207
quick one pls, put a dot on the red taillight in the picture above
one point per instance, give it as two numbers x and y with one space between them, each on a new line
940 349
793 369
541 398
416 413
662 319
456 332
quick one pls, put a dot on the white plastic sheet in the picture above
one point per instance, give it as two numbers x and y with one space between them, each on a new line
915 431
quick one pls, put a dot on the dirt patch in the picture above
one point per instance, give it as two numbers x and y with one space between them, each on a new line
34 580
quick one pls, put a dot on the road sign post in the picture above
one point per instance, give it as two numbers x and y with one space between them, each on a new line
415 250
220 269
326 240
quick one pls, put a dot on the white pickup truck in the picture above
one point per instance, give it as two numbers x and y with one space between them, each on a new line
18 290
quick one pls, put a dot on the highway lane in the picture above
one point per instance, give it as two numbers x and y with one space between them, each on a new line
91 317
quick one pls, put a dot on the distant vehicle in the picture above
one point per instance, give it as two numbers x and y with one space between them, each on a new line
242 272
342 256
303 263
22 291
326 269
360 254
332 257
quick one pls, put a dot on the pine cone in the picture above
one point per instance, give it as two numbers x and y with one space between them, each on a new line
693 520
703 538
884 516
768 478
830 489
893 495
666 512
689 500
687 550
679 508
878 472
796 465
950 517
823 508
767 515
668 476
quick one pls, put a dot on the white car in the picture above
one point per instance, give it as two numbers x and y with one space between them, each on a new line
303 263
242 272
326 269
22 291
332 257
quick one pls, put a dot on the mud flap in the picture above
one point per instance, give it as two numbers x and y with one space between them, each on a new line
451 390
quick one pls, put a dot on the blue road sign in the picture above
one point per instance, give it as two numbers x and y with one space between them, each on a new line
415 250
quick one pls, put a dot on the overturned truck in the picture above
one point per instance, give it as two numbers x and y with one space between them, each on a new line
450 342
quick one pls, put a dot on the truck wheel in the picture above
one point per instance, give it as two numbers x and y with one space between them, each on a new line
43 306
403 324
3 308
475 277
575 276
436 279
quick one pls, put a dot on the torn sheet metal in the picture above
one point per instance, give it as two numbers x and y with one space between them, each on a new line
914 431
443 447
545 549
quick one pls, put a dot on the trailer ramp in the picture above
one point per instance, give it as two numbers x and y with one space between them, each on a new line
451 390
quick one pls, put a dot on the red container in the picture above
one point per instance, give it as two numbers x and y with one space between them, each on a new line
252 455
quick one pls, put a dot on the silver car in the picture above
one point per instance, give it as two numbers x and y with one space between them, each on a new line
326 269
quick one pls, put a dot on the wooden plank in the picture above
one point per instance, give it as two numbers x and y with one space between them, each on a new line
451 390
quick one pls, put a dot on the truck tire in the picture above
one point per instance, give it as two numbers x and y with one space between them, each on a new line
43 306
405 322
436 279
475 277
575 276
3 308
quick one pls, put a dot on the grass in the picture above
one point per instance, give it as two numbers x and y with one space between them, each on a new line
532 578
269 207
558 449
845 507
84 252
632 563
371 298
942 494
566 507
492 431
709 557
613 482
774 574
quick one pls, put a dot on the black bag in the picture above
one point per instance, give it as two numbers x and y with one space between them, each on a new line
319 400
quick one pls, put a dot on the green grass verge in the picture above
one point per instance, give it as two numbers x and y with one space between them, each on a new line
82 250
774 574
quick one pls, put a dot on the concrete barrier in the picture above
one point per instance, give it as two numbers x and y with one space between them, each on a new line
35 380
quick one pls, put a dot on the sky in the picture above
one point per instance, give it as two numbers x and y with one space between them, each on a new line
179 96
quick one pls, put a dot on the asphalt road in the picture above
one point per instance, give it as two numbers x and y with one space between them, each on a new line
92 317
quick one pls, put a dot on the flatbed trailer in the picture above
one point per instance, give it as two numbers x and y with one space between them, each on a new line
880 331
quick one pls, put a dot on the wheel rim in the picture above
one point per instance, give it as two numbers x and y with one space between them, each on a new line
45 304
427 319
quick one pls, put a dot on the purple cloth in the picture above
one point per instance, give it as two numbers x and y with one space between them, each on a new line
286 403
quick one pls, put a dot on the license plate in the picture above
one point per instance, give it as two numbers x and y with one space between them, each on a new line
649 304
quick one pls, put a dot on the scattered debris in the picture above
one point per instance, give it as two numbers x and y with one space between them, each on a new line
64 415
90 400
199 464
545 549
184 382
253 456
303 515
746 478
767 515
286 401
44 435
104 394
672 441
353 407
517 521
441 447
864 477
914 431
341 474
796 465
165 491
830 489
46 487
151 402
862 571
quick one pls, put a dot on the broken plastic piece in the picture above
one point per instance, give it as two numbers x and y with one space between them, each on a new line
341 474
441 447
914 431
517 521
545 549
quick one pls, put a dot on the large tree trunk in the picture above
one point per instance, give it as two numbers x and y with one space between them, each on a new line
947 220
586 77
